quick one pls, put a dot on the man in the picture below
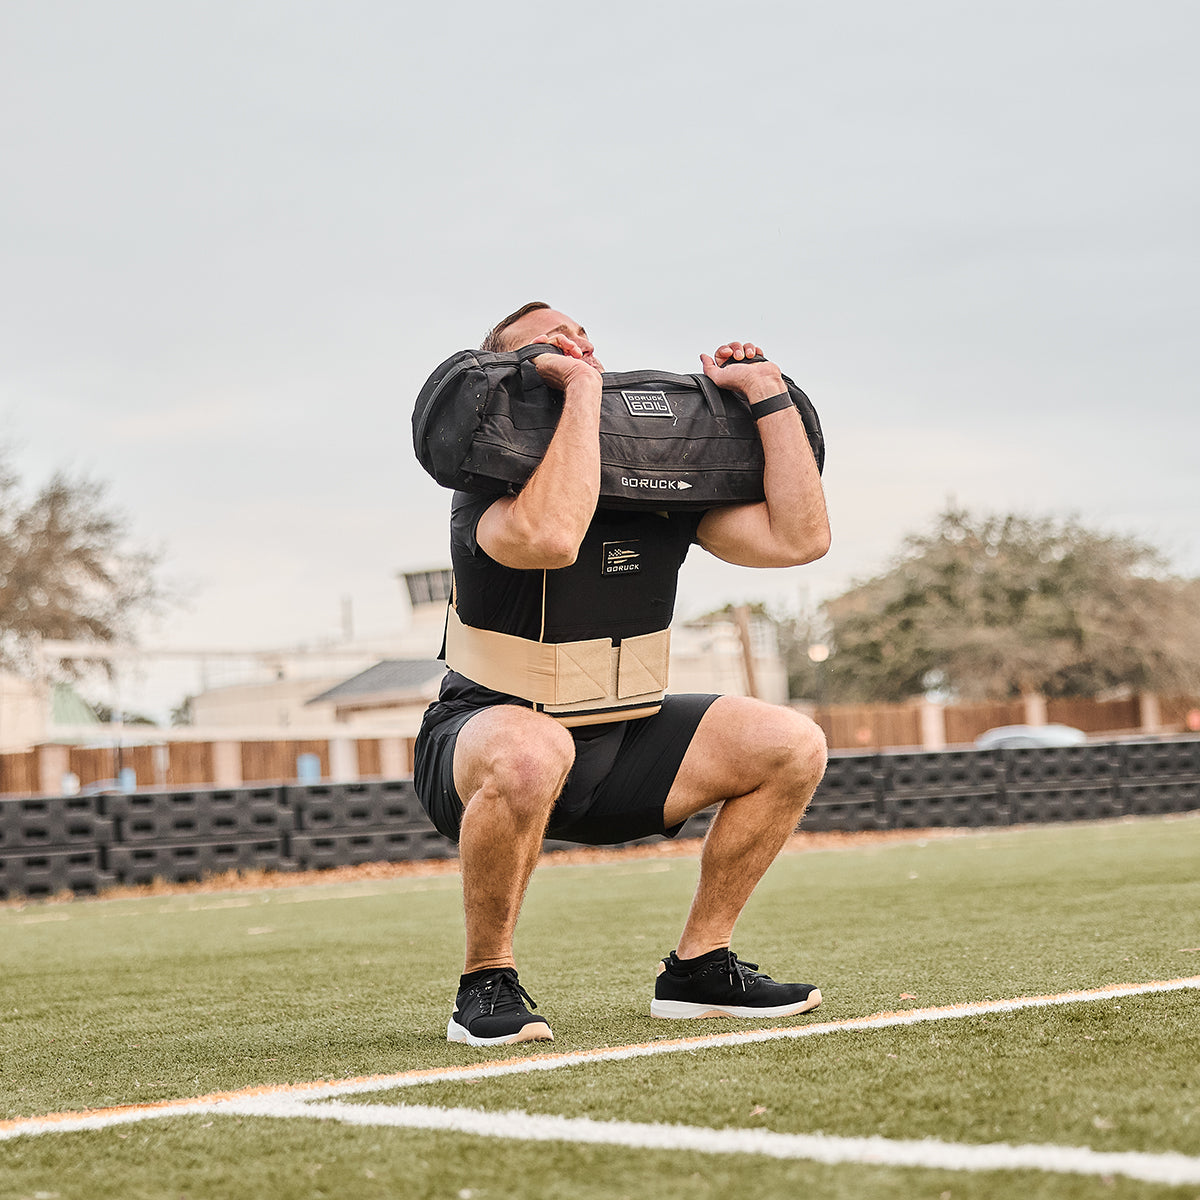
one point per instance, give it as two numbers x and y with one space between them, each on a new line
497 773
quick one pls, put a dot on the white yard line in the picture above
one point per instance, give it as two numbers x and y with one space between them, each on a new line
298 1100
869 1151
742 1037
106 1118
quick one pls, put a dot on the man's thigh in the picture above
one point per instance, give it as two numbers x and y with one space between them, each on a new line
737 746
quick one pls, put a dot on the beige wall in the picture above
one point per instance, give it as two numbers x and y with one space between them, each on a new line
708 658
401 720
282 703
23 712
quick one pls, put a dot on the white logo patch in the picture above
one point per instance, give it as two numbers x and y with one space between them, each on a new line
620 558
647 404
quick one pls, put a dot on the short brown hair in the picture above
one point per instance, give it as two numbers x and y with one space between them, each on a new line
494 338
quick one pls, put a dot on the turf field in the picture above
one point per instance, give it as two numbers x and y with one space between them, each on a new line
211 1035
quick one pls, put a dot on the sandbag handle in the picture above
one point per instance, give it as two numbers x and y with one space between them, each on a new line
532 384
534 349
712 396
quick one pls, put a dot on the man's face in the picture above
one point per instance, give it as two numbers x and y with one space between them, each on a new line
549 321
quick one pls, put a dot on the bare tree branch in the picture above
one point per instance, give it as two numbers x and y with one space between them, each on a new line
66 568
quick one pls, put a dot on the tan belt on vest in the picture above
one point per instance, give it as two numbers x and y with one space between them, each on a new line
577 683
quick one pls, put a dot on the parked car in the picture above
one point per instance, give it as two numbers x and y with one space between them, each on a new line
1009 737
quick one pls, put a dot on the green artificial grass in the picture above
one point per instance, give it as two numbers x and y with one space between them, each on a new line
129 1001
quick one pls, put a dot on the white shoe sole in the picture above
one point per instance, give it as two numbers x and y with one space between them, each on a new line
535 1031
684 1010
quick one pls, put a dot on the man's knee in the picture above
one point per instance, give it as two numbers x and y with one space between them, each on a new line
787 746
514 757
810 745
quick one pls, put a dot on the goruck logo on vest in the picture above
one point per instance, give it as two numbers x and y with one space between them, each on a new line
655 485
647 404
620 558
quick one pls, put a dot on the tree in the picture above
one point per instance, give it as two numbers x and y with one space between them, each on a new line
996 606
184 713
66 569
107 715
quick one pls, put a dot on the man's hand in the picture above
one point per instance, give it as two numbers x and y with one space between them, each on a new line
752 381
561 370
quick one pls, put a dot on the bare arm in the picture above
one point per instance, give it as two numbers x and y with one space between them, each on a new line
543 525
791 526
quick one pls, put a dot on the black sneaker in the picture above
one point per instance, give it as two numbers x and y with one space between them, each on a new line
490 1011
720 985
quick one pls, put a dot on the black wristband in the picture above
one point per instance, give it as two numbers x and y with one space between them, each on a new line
764 408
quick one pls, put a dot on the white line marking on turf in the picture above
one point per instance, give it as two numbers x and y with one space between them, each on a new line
743 1037
229 1101
1166 1168
74 1122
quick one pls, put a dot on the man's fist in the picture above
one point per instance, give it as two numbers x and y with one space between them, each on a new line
559 370
729 368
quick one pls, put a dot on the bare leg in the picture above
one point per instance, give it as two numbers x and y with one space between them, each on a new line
510 764
762 763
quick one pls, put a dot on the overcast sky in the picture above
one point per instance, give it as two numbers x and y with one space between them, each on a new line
236 237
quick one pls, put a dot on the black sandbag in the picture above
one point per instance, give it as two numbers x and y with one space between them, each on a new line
483 421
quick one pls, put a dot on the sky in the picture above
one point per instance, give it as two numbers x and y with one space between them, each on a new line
235 238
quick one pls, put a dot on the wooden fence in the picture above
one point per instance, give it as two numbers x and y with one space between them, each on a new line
869 727
890 726
184 764
191 764
965 722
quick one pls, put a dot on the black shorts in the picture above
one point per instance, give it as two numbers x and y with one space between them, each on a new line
615 791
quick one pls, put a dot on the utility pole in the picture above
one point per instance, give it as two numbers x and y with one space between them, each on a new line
741 617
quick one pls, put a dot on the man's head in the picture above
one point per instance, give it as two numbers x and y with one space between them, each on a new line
533 320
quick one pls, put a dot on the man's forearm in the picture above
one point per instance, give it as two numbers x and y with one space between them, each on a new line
797 520
791 525
544 524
